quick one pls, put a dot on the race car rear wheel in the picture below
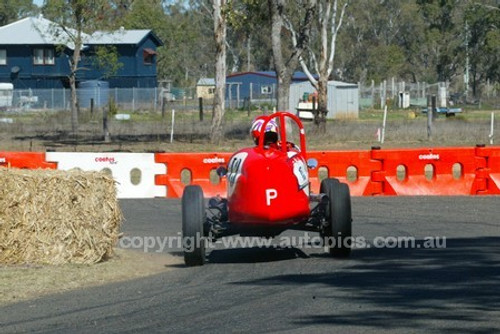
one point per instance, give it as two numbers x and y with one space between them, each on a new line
338 231
193 218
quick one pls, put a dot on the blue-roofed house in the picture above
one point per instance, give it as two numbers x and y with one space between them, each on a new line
256 86
34 53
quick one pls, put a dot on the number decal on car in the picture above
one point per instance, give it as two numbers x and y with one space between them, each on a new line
234 170
300 171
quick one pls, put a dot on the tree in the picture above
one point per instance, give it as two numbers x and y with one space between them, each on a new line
483 37
106 60
381 39
220 28
150 14
186 33
248 42
330 22
74 20
442 48
12 10
285 66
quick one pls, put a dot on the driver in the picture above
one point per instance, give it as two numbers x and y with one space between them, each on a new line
270 134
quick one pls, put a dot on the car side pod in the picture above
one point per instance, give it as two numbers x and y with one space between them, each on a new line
337 232
193 218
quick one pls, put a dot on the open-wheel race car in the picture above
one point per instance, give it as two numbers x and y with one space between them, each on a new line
268 192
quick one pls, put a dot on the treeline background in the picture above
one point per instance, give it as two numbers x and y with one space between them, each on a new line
411 40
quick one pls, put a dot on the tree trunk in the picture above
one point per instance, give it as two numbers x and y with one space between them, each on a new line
72 83
216 131
249 53
285 67
284 81
322 104
276 8
329 27
74 104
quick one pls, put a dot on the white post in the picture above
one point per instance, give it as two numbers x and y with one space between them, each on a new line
382 100
155 98
133 99
98 96
393 88
173 124
383 125
372 92
237 95
492 127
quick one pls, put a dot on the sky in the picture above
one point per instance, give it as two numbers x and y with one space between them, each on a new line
39 3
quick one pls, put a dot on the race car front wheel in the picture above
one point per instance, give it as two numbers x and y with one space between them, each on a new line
193 218
338 229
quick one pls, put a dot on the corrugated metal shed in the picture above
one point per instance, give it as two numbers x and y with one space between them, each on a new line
343 98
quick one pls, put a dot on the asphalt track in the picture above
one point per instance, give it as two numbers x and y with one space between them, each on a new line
300 290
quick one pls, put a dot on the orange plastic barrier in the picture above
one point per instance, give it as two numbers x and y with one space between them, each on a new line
26 160
192 168
488 170
423 171
352 167
426 171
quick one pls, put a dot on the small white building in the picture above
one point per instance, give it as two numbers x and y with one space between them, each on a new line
205 88
343 98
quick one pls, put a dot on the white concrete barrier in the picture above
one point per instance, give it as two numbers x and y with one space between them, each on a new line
133 172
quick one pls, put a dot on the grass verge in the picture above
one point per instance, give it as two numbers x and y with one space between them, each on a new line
24 282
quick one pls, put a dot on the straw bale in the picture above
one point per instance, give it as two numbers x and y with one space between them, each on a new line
56 217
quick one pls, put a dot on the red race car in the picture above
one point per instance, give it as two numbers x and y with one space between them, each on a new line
268 192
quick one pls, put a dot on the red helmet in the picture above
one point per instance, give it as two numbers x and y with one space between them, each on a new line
270 133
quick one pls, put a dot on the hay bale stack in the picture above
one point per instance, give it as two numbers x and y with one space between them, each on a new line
56 217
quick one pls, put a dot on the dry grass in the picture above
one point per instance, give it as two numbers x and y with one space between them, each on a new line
24 282
149 132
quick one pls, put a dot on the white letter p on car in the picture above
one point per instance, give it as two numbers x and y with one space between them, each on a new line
270 195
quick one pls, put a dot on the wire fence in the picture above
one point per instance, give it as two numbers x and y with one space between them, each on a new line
376 96
41 119
401 94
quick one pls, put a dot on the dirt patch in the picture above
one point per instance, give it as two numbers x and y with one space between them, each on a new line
18 283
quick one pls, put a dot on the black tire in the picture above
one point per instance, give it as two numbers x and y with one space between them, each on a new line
193 219
338 233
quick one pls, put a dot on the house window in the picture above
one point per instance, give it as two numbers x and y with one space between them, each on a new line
49 57
266 90
43 57
3 57
211 90
148 56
